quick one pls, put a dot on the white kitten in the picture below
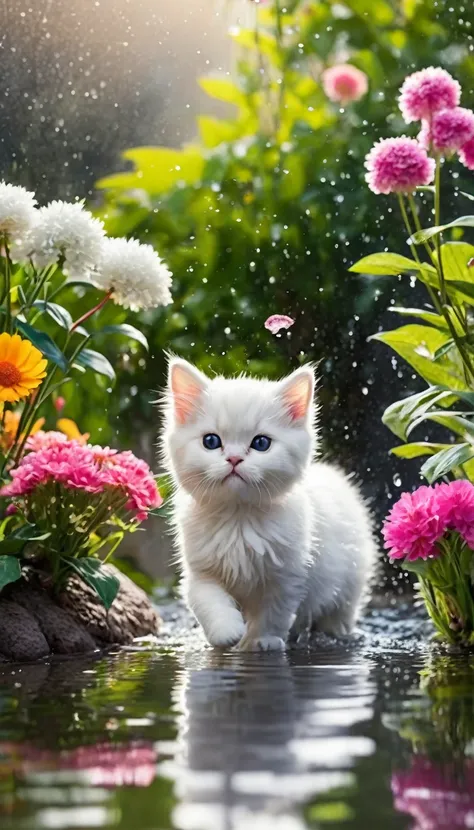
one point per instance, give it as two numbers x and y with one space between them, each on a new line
267 539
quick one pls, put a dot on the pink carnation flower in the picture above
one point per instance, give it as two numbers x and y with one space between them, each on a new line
466 154
414 525
398 165
92 469
435 795
448 131
456 503
426 92
344 83
277 322
42 440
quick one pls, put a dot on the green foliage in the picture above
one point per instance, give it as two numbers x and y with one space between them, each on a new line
267 208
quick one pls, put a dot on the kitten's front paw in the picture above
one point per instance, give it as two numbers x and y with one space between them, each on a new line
268 643
227 632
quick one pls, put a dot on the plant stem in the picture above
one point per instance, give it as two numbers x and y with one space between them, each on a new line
442 283
8 298
92 311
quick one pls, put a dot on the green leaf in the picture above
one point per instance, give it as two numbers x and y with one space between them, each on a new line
462 287
386 264
158 169
416 450
59 314
452 421
420 567
398 416
422 236
128 331
446 461
455 257
418 345
44 343
10 570
19 537
443 350
223 89
106 585
436 320
97 362
164 483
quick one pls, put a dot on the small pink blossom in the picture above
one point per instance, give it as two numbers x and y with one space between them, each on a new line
414 525
456 503
59 404
427 92
277 322
344 83
466 154
449 130
398 165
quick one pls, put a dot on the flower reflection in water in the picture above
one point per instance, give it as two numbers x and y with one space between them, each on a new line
438 797
103 765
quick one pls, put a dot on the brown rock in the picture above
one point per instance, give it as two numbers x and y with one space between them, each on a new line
131 615
63 634
20 635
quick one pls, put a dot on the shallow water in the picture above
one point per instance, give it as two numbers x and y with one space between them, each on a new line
343 735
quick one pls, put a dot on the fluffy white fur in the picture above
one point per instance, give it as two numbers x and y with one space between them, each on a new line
285 545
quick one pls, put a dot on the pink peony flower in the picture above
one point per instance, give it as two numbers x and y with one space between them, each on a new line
449 130
414 525
466 154
277 322
456 503
398 165
426 92
344 83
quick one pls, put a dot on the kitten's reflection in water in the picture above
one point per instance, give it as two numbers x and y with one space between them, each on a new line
253 739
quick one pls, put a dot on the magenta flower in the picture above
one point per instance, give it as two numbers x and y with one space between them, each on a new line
427 92
466 154
456 503
94 470
414 525
344 83
398 165
435 795
449 130
277 322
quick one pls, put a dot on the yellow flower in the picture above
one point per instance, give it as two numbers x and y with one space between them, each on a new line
72 431
11 421
22 367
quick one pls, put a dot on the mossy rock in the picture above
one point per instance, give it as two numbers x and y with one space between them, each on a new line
35 624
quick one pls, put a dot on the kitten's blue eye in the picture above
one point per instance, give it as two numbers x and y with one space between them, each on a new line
212 441
261 443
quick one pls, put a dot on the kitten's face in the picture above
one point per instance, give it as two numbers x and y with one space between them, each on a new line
241 439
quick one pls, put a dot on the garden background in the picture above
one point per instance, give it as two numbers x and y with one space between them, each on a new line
250 184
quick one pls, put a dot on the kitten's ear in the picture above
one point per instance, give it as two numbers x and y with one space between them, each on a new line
186 385
297 393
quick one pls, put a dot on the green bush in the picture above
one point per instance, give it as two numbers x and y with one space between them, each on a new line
268 208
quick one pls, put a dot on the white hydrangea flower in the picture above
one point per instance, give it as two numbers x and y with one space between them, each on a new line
134 273
64 230
17 211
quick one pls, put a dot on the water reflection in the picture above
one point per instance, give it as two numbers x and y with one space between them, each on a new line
437 787
282 729
355 735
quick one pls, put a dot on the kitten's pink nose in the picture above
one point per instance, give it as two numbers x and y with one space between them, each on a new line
234 460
